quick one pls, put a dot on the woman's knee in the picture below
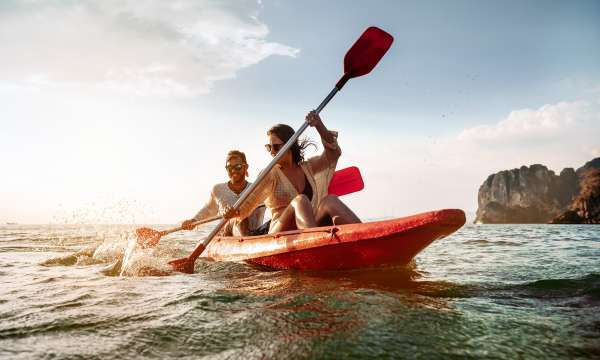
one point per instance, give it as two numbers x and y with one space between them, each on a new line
329 201
300 200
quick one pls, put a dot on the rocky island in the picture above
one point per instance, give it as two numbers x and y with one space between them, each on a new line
536 194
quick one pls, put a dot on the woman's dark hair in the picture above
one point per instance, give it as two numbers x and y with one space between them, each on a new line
284 133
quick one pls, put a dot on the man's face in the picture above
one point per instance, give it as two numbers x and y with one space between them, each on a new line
236 169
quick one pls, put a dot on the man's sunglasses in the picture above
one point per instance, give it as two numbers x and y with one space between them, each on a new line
273 147
237 167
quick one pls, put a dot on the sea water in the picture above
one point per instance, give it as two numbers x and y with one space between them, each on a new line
488 291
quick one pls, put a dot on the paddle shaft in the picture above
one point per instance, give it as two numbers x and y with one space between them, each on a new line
202 245
195 223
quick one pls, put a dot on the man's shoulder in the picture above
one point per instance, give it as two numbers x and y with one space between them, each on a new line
219 188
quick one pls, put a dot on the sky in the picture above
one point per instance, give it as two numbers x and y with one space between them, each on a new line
122 111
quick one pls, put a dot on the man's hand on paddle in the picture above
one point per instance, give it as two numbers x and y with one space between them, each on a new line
188 224
229 212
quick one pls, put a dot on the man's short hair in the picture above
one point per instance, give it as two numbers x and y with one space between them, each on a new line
237 153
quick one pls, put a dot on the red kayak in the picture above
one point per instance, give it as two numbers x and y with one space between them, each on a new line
342 247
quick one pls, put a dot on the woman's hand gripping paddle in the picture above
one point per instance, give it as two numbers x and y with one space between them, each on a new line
362 57
343 182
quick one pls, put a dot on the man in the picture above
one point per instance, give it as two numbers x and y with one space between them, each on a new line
223 196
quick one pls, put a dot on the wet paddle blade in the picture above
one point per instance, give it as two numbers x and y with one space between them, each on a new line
364 55
183 265
346 181
146 233
147 237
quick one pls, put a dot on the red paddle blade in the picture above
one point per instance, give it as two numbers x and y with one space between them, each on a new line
364 55
146 233
184 265
346 181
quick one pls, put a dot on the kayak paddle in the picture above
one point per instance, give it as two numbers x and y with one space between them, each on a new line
343 182
147 237
362 57
346 181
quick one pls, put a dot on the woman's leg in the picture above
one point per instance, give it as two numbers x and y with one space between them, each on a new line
298 215
227 229
332 207
241 229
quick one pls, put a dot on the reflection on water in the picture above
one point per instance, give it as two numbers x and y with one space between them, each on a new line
524 291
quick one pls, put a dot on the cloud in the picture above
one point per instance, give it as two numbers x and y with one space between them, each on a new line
407 174
563 134
550 122
559 135
170 48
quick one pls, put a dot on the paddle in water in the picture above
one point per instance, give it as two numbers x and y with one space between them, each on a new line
343 182
362 57
147 237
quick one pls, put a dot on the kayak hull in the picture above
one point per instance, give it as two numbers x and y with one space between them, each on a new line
341 247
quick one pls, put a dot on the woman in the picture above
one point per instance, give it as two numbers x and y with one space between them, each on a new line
295 190
223 196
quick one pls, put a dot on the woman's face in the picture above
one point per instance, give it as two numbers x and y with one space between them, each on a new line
236 169
274 145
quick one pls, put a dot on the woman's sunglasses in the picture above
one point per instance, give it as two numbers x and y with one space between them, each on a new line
273 147
237 167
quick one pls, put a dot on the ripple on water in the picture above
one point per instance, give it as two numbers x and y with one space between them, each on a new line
487 291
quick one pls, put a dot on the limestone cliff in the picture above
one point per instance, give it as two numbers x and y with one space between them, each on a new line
536 194
585 208
531 194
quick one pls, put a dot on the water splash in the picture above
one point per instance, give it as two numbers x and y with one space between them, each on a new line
144 262
104 210
123 256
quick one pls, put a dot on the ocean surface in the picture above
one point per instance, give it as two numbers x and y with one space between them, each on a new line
488 291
